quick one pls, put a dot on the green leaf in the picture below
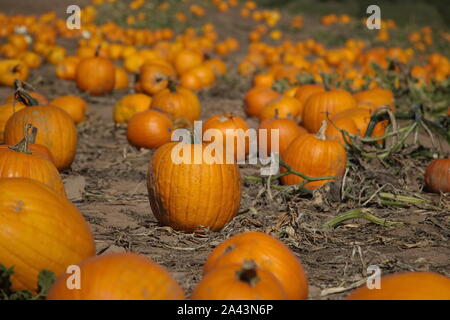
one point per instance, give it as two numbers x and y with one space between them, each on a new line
45 281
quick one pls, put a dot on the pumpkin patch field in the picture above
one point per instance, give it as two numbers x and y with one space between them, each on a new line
106 106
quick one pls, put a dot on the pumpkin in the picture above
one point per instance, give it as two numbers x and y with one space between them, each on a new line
154 77
23 162
407 286
39 230
288 130
263 80
56 129
225 122
67 68
31 59
129 105
243 281
217 66
191 81
282 106
10 70
179 102
149 129
372 99
187 59
268 253
437 176
324 105
122 80
256 98
314 156
136 277
189 196
73 105
205 74
335 126
95 75
304 92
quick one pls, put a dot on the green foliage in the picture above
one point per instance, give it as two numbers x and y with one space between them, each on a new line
45 281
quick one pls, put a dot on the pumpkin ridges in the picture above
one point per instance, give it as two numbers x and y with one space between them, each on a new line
437 176
39 216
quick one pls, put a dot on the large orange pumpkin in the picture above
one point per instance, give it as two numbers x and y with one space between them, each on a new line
324 105
437 176
56 130
189 196
179 102
314 156
95 75
23 162
39 230
268 253
241 281
407 286
136 277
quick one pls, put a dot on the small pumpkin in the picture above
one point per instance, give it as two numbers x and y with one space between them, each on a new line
407 286
178 187
179 102
129 105
6 111
314 156
191 81
21 161
324 105
122 81
217 66
372 99
75 106
56 129
236 127
288 130
149 129
304 92
205 74
95 75
256 98
136 277
39 230
154 77
244 281
10 70
268 253
437 176
187 59
282 107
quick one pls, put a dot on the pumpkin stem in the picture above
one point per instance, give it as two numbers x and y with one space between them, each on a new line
23 96
248 273
29 138
325 80
277 114
321 133
97 50
172 86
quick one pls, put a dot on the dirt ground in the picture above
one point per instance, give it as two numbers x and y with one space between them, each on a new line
111 178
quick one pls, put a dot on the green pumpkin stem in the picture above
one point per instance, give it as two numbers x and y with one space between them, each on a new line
172 86
23 96
248 273
29 138
321 133
325 80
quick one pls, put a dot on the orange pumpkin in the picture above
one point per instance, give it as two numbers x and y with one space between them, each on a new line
191 81
437 176
217 66
10 70
149 129
122 80
304 92
75 106
155 77
407 286
129 105
244 281
39 230
6 111
256 98
372 99
314 156
205 74
136 278
56 130
95 75
67 68
178 187
268 253
282 106
236 134
21 161
324 105
187 59
179 102
288 130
